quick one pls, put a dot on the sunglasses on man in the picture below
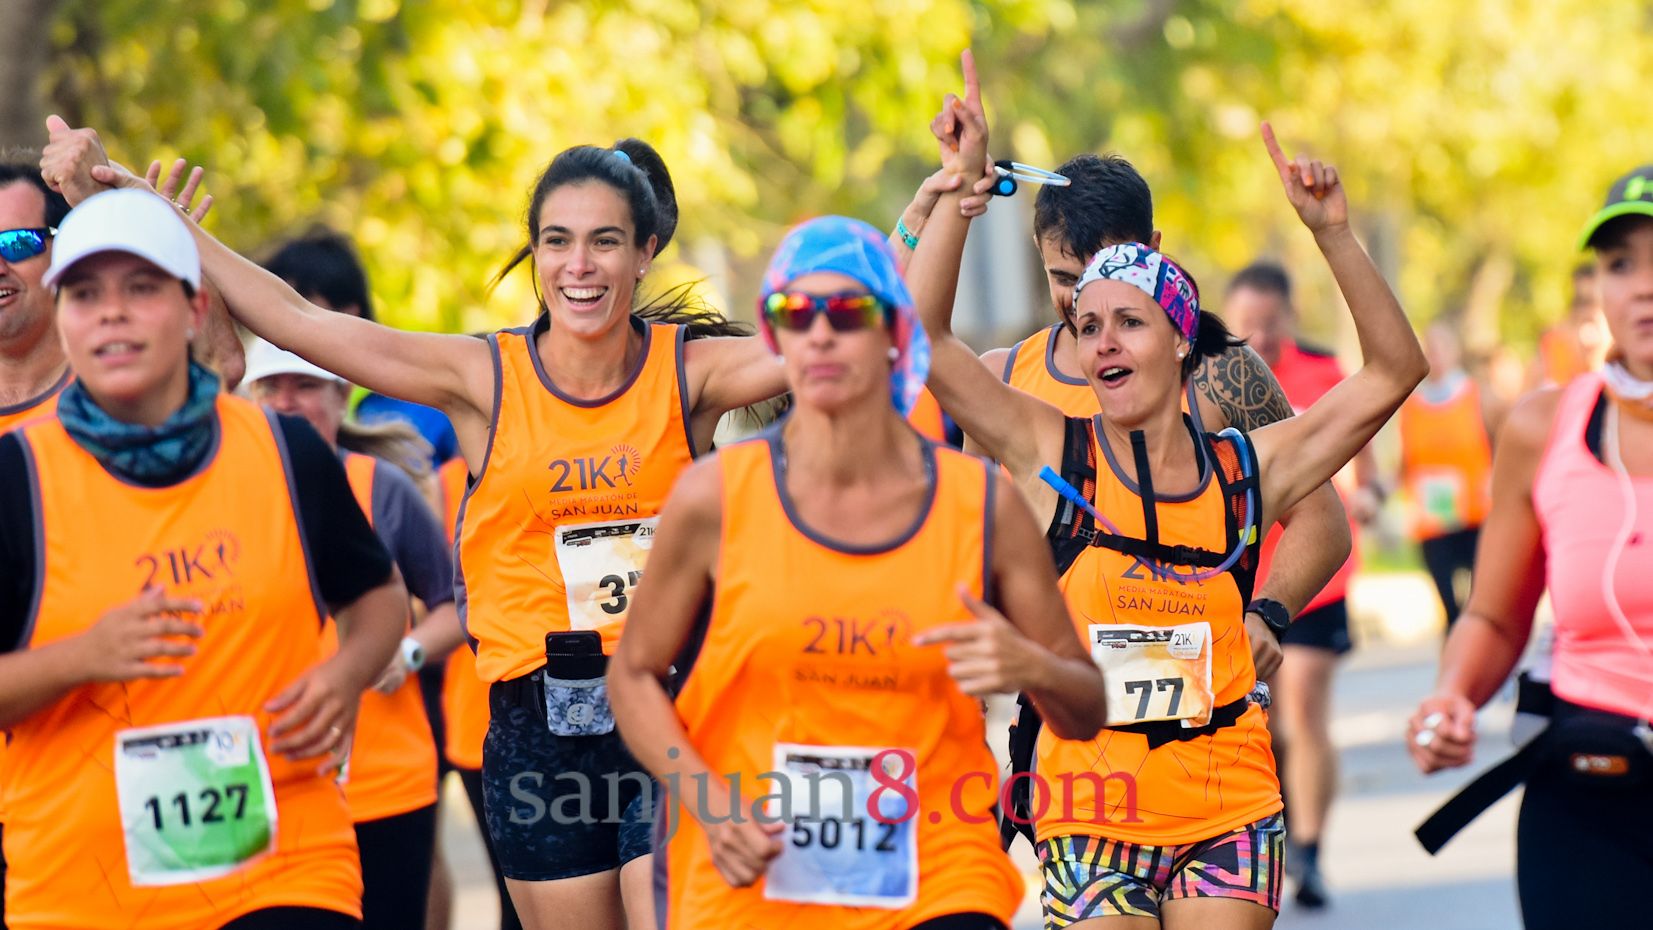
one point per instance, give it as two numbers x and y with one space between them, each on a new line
17 245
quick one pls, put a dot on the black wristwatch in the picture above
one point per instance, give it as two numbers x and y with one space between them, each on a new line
1275 615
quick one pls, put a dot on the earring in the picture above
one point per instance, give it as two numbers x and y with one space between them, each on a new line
189 335
642 271
895 354
1182 354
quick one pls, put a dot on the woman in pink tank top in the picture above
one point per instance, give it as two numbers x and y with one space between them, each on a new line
1572 511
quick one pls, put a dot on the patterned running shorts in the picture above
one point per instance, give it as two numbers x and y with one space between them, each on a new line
1089 876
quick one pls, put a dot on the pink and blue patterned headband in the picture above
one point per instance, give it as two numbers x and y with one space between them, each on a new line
1152 273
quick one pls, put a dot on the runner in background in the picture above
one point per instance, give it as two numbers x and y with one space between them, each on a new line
323 266
465 701
905 544
1258 304
390 779
1578 343
1446 464
196 667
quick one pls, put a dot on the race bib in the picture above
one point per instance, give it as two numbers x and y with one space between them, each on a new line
601 563
849 840
1441 496
1155 672
195 799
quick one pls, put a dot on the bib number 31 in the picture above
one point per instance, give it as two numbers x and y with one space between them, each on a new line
601 565
195 799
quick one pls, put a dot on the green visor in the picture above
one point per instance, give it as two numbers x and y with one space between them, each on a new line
1631 195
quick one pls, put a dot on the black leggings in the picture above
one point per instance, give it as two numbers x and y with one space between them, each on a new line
971 921
396 857
295 918
1604 830
472 780
1445 556
2 877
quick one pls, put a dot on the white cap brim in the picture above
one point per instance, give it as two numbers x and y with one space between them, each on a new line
265 360
135 222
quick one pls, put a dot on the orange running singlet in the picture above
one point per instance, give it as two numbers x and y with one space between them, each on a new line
392 765
808 667
554 533
1445 460
1170 651
1305 374
1562 359
15 415
229 537
464 695
1031 367
43 405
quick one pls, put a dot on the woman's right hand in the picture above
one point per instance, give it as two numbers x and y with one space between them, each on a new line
133 641
1441 735
961 127
742 850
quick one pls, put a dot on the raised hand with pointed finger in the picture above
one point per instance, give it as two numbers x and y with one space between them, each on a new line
1311 185
961 127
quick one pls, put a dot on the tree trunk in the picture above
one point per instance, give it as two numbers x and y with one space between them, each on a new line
25 44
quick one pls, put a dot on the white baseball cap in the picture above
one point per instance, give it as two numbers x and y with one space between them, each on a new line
132 221
264 360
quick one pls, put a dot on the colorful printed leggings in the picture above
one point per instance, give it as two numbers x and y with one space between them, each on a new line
1090 876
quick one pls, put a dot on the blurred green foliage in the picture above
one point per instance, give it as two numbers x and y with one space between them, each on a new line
1474 136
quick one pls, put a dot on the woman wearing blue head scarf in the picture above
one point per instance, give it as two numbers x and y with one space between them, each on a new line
820 595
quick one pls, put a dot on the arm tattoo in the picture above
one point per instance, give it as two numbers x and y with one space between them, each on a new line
1241 385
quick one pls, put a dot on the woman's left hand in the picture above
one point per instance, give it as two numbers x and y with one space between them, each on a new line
1312 187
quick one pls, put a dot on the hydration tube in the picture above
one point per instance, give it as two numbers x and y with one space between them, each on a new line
1249 527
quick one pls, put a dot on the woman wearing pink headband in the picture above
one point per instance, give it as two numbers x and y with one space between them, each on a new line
1174 809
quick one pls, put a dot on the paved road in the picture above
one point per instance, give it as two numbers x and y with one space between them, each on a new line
1380 878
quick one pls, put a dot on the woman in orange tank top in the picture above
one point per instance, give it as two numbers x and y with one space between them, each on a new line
1572 512
172 751
1182 779
580 422
845 562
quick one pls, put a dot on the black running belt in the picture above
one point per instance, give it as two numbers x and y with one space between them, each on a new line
1161 732
1475 798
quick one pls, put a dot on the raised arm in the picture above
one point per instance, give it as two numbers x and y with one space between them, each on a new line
1019 430
1301 453
451 373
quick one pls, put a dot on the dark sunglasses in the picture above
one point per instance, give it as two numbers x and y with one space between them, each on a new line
844 312
18 245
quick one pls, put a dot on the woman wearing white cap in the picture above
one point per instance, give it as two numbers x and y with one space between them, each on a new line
175 723
390 780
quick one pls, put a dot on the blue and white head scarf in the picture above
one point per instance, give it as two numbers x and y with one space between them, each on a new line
856 250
